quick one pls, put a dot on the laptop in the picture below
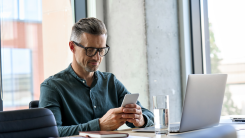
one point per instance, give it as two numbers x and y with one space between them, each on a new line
202 105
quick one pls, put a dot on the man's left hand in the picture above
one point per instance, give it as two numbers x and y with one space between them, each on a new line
134 115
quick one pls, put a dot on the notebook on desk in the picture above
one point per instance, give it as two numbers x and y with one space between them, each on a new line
202 104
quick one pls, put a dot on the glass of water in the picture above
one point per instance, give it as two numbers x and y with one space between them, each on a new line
161 114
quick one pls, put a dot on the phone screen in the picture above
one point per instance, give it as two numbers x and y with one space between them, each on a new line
130 99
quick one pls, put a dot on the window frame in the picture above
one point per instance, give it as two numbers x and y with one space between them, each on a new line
200 37
1 88
80 9
194 39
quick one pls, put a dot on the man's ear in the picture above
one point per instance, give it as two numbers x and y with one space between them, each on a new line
72 46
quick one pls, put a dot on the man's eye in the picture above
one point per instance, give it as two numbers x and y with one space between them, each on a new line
90 50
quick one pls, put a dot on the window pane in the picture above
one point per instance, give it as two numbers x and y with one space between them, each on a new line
31 32
21 51
227 46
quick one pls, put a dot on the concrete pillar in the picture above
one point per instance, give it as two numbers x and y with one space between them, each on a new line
127 59
162 35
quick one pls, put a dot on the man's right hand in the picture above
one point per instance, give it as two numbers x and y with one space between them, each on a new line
112 119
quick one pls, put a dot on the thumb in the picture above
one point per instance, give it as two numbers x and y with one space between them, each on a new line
118 110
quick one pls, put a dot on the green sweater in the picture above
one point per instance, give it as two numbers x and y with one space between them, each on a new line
77 107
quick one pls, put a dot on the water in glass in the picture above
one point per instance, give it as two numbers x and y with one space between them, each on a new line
161 119
161 114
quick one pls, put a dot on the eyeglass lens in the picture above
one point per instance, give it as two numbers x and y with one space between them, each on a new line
92 51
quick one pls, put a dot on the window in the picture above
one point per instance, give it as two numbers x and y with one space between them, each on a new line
227 46
21 52
31 32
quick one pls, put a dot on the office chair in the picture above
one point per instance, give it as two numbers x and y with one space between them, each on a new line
28 123
34 104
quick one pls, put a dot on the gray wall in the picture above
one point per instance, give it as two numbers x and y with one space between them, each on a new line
144 54
162 37
127 59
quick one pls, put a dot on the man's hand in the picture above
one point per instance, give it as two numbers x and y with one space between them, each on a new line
112 119
133 114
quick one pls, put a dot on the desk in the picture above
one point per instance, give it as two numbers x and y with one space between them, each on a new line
132 134
224 120
240 133
240 127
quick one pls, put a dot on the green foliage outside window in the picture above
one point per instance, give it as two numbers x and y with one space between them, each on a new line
229 108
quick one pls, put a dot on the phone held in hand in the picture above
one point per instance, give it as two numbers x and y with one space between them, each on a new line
130 99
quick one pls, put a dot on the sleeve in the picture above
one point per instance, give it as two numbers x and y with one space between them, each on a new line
148 115
50 98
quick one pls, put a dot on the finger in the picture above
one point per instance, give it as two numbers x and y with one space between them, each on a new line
135 116
138 107
132 110
133 106
117 121
122 120
117 110
118 116
134 121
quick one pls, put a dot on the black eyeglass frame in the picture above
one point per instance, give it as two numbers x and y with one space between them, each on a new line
97 49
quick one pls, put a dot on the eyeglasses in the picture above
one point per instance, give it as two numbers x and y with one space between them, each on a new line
91 51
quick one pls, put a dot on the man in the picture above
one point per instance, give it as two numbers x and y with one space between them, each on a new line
84 99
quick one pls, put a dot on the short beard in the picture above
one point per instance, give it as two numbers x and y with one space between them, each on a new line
88 69
91 69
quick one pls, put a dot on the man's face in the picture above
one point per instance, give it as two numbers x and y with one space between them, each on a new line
90 64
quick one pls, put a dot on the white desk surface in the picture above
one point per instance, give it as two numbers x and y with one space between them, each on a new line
240 127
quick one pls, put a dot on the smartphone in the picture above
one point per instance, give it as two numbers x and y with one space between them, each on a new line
130 99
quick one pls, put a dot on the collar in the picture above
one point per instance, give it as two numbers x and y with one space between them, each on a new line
73 73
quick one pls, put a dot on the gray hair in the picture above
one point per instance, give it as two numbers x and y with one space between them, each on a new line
88 25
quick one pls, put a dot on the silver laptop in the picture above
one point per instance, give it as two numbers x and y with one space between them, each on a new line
202 105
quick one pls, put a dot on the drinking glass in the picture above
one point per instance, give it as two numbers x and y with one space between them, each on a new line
161 114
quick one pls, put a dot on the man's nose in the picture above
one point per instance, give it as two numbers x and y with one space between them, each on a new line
97 55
